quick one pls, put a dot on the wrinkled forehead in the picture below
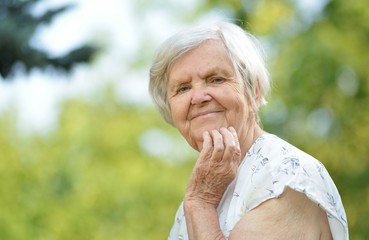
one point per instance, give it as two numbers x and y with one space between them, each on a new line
187 51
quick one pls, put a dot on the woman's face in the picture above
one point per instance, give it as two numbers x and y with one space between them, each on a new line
205 94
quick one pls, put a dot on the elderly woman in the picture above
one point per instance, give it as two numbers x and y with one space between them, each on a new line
209 83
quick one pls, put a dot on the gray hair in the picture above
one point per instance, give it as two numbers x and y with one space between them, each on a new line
244 52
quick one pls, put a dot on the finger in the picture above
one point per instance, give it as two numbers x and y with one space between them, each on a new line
218 146
235 137
228 138
229 143
207 141
207 145
238 148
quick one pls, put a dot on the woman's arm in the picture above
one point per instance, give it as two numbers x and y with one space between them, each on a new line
214 170
202 222
291 216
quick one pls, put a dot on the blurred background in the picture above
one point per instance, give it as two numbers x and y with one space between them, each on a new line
85 155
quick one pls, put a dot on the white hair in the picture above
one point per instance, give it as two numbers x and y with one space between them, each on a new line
244 52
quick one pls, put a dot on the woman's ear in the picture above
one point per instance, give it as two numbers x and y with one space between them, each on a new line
258 95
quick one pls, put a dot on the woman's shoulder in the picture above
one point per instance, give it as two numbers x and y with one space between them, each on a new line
273 150
272 164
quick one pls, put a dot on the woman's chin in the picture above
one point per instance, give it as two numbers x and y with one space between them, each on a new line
195 141
195 137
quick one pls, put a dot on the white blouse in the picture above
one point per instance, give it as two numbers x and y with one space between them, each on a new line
268 168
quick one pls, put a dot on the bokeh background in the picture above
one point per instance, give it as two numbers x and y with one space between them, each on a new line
83 152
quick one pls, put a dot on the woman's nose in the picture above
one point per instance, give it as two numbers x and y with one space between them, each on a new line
200 95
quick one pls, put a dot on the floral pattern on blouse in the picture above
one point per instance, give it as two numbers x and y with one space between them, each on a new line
268 168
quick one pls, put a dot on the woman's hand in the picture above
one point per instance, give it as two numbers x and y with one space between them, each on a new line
215 168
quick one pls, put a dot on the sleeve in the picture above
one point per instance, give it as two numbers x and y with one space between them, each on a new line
179 228
307 175
273 168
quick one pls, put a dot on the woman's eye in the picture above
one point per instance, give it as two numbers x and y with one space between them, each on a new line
183 89
217 80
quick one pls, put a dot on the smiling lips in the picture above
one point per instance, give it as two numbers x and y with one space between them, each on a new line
201 114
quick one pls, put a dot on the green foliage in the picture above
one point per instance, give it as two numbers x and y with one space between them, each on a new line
17 26
319 65
89 179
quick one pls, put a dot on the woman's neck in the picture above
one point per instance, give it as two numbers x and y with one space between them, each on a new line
248 138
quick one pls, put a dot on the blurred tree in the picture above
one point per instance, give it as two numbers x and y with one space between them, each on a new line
90 179
17 26
319 57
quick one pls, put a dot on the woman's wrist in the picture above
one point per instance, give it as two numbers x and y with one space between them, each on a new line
202 201
198 205
202 220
